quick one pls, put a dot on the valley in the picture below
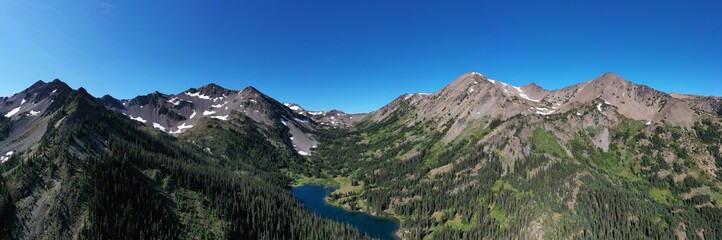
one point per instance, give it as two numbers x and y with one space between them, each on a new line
478 159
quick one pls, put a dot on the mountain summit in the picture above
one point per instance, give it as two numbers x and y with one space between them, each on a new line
474 96
478 159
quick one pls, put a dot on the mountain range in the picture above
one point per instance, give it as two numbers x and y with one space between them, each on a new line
480 158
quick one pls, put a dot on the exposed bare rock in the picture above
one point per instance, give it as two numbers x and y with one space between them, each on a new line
401 103
534 91
577 187
439 170
30 111
334 118
602 140
709 104
700 233
536 228
175 114
473 96
694 192
681 231
634 101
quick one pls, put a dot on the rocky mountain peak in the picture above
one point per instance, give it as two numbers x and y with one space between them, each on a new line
250 90
37 84
466 80
295 107
212 88
609 78
532 86
111 102
41 86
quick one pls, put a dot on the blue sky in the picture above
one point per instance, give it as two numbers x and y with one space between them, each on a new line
355 55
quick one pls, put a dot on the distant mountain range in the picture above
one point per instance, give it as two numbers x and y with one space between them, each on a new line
479 158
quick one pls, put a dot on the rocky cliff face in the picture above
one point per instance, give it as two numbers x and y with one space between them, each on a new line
473 96
29 112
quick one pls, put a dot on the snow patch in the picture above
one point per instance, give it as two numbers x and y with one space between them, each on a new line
522 94
300 120
174 101
206 113
303 153
198 95
283 121
218 105
224 118
184 126
139 119
12 112
22 102
316 113
34 113
158 126
599 107
54 90
544 111
293 107
7 156
648 123
193 114
180 128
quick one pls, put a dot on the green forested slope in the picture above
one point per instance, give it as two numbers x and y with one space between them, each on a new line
99 175
532 176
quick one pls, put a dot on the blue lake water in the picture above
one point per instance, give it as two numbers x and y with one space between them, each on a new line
313 198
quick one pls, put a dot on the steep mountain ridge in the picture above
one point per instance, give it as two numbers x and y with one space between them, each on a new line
95 174
576 162
478 159
473 96
176 114
28 113
638 102
707 104
334 118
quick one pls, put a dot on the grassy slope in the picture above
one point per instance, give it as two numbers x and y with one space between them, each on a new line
511 203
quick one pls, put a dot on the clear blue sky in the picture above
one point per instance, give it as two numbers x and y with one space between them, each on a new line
355 55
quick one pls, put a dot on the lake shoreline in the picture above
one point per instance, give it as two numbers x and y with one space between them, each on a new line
314 197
